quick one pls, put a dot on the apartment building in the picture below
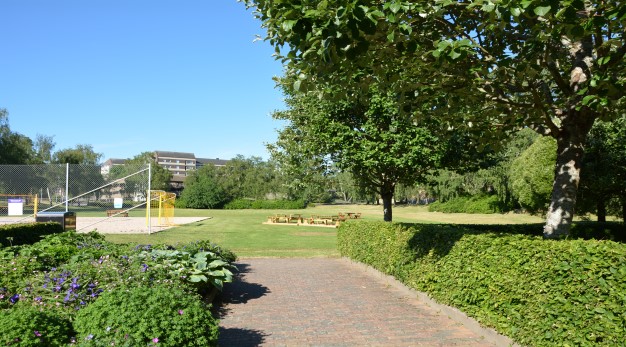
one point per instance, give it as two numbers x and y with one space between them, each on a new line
181 164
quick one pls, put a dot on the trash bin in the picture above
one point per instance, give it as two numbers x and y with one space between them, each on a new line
66 219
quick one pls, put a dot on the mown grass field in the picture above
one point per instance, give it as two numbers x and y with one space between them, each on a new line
243 231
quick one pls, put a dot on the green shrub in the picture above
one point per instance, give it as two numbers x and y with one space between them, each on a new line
614 231
239 204
484 204
206 245
144 315
538 292
279 204
266 204
532 174
26 234
28 326
62 247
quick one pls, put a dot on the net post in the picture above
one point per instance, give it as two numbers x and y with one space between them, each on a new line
67 186
149 200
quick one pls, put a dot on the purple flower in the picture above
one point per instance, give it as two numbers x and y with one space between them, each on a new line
144 267
155 340
38 298
37 333
15 298
180 312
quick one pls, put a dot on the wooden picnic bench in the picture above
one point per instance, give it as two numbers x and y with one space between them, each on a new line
278 218
325 220
117 213
295 218
353 215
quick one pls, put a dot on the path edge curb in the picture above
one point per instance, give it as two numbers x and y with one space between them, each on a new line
455 314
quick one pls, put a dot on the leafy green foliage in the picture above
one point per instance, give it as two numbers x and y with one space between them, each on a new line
28 233
15 148
202 190
585 230
81 154
25 326
266 204
474 204
132 316
368 138
250 178
603 177
483 67
532 175
68 272
538 292
204 269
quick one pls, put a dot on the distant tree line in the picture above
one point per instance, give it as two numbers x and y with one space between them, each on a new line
318 158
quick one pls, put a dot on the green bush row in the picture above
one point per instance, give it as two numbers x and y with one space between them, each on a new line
27 233
241 204
536 291
485 204
614 231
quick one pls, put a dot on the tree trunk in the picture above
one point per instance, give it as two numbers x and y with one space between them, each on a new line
624 208
601 210
387 212
570 150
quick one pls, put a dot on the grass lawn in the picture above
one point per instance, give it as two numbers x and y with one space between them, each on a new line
242 231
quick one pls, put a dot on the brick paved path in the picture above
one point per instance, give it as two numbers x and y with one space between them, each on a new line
331 302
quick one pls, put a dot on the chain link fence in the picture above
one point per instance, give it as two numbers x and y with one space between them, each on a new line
87 190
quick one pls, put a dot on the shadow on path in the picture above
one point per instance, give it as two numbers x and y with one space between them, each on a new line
240 337
239 292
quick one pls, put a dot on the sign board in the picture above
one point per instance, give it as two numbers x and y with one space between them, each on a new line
118 203
16 207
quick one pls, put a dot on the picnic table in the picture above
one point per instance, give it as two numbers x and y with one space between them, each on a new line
283 218
353 215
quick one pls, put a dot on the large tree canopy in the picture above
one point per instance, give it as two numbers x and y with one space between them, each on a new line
372 140
554 66
14 148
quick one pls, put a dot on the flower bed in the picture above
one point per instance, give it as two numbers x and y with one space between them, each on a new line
46 290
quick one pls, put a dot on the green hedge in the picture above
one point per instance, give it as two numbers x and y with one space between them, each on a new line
614 231
464 204
27 233
241 204
536 291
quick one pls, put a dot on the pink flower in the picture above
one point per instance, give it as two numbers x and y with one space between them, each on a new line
155 340
180 312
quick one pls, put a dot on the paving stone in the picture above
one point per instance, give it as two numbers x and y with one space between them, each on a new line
330 302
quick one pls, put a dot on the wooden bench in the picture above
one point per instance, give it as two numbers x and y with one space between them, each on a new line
353 215
325 220
279 218
117 213
295 218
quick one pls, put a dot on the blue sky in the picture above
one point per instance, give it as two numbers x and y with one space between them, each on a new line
128 76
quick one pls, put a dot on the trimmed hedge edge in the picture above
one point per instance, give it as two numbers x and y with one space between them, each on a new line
538 292
27 233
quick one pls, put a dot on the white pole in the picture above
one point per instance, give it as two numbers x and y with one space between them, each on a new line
67 185
148 199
